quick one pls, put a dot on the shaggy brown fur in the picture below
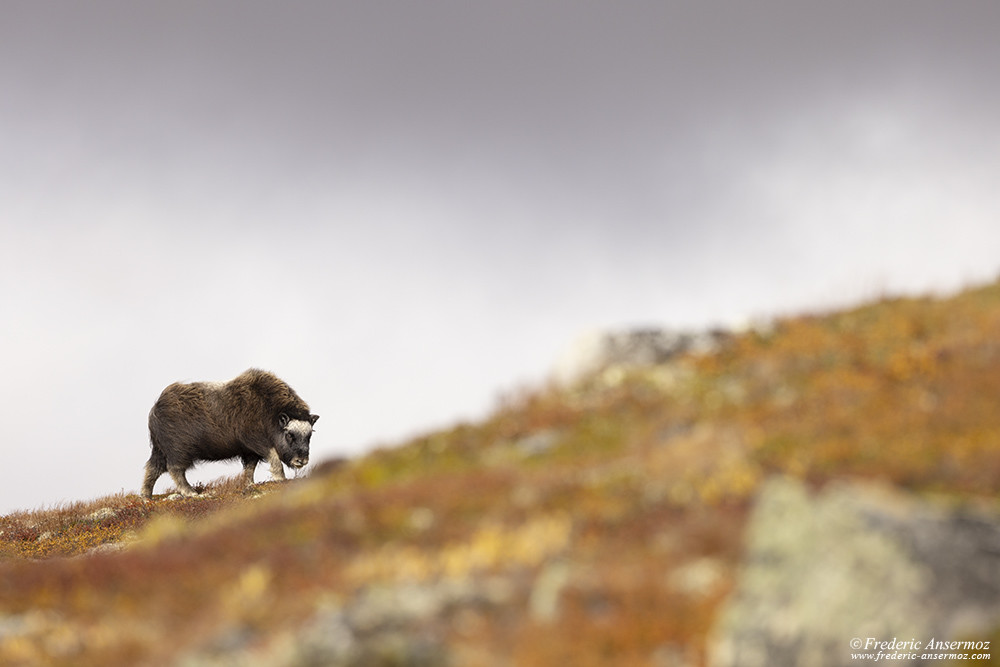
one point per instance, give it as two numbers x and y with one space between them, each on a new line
254 416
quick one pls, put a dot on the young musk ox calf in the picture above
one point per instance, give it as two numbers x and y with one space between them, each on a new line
253 417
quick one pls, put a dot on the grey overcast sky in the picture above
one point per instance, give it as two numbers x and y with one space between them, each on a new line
404 208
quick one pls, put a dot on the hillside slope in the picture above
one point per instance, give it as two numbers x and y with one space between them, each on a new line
597 524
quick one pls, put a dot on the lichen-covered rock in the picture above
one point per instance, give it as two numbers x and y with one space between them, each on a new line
856 561
381 626
599 350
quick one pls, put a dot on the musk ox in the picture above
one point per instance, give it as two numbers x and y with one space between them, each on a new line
253 417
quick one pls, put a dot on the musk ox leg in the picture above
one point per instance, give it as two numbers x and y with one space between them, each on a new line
155 466
277 470
180 480
249 465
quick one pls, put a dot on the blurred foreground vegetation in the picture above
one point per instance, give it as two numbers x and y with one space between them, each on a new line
596 524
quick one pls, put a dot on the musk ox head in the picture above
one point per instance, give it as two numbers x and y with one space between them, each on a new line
292 440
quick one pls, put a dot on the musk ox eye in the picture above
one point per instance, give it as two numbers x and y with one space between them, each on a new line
289 438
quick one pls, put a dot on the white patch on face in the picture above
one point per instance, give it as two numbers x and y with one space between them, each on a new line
299 427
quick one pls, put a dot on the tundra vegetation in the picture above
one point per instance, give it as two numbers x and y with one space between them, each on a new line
595 524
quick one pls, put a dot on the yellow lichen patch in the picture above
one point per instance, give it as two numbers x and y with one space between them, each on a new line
708 465
246 598
252 585
492 547
44 638
163 528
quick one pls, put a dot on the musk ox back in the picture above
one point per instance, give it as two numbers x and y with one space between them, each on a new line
253 417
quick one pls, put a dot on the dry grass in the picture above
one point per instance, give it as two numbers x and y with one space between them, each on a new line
629 491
